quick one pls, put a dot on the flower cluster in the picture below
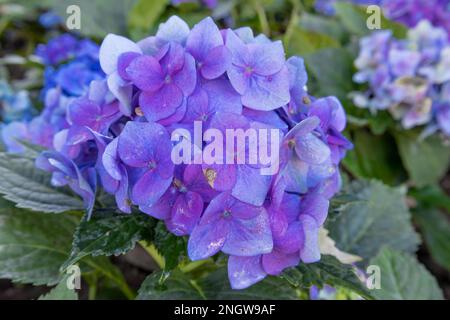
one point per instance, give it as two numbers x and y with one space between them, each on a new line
15 107
70 66
407 12
327 6
411 12
408 77
122 131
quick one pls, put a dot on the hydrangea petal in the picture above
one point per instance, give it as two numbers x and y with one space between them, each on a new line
244 271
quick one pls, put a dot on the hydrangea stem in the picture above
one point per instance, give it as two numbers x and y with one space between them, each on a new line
153 252
265 28
293 21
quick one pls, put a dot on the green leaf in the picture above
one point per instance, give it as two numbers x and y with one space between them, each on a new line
33 246
331 69
327 271
30 187
323 25
176 286
379 217
354 18
432 197
425 160
171 247
374 157
435 228
404 278
99 17
60 292
302 42
108 233
215 286
145 14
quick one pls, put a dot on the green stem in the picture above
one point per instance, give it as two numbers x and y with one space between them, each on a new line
120 282
265 28
193 265
293 21
153 252
198 288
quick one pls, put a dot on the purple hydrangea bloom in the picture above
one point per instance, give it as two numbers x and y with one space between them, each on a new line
175 89
232 226
406 77
66 172
258 72
411 12
147 146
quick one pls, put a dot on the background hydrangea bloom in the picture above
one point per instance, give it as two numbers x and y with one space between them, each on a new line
407 77
120 127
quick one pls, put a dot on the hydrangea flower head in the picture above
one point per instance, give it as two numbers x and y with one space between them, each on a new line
190 87
407 77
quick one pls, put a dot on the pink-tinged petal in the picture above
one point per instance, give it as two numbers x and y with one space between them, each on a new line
146 73
249 178
268 58
239 80
149 189
110 50
216 63
268 93
203 37
162 209
316 206
185 213
122 91
162 103
141 142
309 252
292 240
207 239
311 149
245 271
124 61
249 237
275 262
186 78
